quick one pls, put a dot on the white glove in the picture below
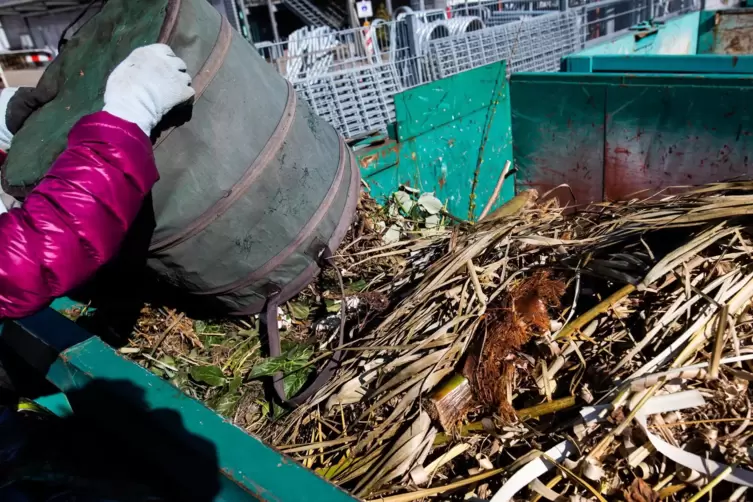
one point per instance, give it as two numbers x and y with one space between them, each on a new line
5 136
146 85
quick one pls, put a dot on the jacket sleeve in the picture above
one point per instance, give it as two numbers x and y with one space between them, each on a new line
76 218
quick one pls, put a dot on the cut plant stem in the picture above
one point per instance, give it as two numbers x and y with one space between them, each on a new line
595 311
430 492
600 448
450 403
546 408
524 414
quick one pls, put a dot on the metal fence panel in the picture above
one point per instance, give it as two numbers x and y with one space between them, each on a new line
535 44
349 77
354 101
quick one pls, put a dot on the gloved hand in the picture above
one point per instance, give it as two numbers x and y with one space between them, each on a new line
5 135
146 85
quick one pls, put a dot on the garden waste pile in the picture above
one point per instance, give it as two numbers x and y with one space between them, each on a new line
534 355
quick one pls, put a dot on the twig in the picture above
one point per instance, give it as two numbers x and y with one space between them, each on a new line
430 492
497 189
476 284
165 333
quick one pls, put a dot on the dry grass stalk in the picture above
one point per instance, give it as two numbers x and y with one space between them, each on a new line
644 283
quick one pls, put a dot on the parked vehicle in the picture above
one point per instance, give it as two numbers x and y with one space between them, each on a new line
23 68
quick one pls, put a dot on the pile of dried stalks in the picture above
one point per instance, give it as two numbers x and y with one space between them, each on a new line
533 355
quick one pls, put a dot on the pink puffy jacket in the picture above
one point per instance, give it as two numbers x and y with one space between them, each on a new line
76 218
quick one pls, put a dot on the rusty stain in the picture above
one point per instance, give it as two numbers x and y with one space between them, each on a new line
622 150
367 160
253 489
442 180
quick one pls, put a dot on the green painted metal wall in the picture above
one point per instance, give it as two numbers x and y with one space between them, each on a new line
611 135
707 42
676 36
245 468
453 137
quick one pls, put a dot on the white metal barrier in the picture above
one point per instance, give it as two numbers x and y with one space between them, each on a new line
350 76
535 44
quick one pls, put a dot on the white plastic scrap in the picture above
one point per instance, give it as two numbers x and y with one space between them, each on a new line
681 401
659 404
533 470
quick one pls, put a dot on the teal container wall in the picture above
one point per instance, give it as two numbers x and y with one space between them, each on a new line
706 42
453 137
676 36
612 135
247 469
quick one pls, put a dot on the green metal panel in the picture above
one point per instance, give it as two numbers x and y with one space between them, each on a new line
610 135
247 469
556 122
696 63
675 36
670 135
458 153
706 23
427 107
64 303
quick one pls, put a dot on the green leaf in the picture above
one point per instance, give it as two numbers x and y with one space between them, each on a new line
180 380
293 359
235 383
267 367
332 306
264 406
409 189
199 326
226 403
295 381
358 285
210 375
299 310
157 371
432 221
169 360
392 234
278 411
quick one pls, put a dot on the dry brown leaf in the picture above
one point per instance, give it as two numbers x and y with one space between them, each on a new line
640 491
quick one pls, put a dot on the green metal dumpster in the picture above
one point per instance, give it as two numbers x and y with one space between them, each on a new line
662 106
452 137
72 360
705 42
605 132
615 135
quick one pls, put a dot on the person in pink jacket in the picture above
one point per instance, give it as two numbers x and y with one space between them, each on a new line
76 218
